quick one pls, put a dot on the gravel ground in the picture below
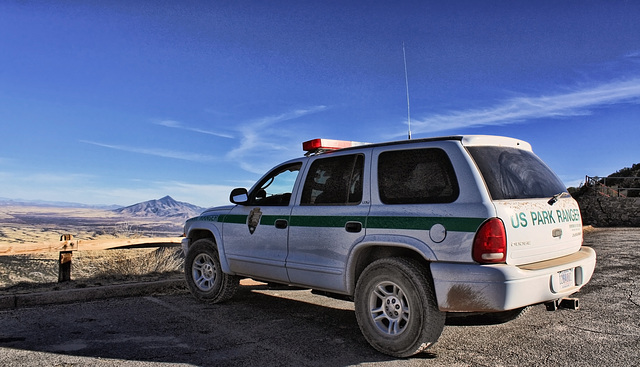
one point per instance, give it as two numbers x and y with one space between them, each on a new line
281 327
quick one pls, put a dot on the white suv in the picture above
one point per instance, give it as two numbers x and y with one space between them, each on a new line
410 230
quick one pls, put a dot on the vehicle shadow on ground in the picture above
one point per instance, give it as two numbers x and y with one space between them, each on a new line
484 319
260 326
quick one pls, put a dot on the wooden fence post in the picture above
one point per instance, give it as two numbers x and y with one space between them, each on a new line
64 273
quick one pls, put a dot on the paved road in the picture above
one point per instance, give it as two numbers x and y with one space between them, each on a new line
268 327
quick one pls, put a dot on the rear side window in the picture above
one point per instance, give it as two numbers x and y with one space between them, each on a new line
416 176
334 181
512 173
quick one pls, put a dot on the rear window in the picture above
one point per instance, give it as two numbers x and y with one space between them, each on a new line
416 176
512 173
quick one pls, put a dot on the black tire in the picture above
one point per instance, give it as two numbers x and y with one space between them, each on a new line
205 278
396 307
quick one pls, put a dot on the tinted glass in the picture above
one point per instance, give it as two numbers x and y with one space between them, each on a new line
416 176
334 181
515 174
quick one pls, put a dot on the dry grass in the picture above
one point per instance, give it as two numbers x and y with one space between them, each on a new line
20 273
123 263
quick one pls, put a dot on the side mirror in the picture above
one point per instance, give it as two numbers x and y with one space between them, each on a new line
239 196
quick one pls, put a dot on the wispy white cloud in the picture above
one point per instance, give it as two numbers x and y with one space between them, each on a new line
269 120
515 110
259 138
165 153
260 141
178 125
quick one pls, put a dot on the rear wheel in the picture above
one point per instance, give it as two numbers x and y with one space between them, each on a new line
396 307
204 275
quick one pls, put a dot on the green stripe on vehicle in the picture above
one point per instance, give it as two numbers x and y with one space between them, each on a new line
324 221
390 222
425 223
234 218
456 224
270 220
207 218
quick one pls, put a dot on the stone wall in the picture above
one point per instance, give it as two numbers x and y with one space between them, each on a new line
600 211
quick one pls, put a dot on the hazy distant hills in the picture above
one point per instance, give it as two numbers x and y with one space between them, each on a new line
54 204
165 207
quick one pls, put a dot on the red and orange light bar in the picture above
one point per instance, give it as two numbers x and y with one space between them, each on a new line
328 144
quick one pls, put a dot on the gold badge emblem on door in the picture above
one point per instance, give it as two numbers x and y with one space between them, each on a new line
254 219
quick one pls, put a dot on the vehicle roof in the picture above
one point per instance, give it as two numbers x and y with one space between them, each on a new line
465 140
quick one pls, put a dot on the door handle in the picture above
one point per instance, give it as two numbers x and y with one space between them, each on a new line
353 227
281 223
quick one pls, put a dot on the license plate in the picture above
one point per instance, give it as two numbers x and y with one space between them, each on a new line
566 279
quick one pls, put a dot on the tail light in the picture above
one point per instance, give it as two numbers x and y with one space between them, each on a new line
490 243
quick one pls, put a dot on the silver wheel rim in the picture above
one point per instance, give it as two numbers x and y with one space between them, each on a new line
389 308
204 272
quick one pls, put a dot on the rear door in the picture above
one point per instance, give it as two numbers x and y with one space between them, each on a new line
537 231
541 219
424 196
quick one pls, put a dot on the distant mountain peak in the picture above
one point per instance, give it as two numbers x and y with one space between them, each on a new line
165 207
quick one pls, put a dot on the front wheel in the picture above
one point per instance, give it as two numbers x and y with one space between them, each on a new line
205 278
396 307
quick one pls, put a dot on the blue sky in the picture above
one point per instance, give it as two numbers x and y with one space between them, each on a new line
117 102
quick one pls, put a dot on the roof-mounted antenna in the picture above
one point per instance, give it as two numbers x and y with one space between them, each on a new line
406 81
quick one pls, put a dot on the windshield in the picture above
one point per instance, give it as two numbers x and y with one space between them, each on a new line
512 173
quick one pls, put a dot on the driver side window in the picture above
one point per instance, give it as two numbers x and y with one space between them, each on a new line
276 188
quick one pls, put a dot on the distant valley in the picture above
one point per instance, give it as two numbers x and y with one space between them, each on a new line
23 222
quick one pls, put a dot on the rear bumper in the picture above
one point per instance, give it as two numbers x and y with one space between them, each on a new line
487 288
